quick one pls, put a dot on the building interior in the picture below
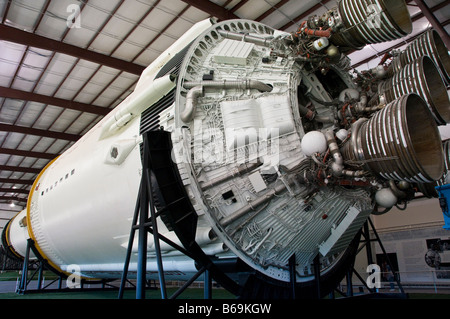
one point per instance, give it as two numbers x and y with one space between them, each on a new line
66 64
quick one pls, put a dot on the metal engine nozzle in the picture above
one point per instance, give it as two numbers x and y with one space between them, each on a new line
421 77
429 44
401 142
371 21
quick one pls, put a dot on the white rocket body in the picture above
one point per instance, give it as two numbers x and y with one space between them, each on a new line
81 205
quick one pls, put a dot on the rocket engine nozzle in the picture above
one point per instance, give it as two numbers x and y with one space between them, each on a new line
429 44
422 77
401 142
371 21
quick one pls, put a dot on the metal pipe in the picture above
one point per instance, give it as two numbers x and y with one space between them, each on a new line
361 105
246 37
397 192
191 103
306 112
373 108
246 84
375 104
317 33
324 119
354 174
338 164
196 89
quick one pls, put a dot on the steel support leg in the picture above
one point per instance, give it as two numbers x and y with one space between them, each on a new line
207 285
368 244
41 270
349 282
162 281
387 257
142 242
144 206
292 275
24 279
130 245
317 275
60 283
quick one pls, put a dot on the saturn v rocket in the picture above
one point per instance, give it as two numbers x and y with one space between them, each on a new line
282 151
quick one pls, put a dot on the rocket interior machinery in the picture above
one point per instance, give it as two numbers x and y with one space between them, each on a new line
281 149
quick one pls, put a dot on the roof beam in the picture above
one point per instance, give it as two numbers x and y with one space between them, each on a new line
12 198
14 190
304 15
239 5
29 96
15 35
414 18
20 169
39 132
9 151
213 9
434 22
274 7
16 181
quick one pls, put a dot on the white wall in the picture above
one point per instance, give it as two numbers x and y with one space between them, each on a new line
419 213
406 233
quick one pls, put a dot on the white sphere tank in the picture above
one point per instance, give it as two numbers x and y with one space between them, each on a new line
314 142
385 198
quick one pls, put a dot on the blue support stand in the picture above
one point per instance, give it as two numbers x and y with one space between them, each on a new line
444 196
144 205
41 264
